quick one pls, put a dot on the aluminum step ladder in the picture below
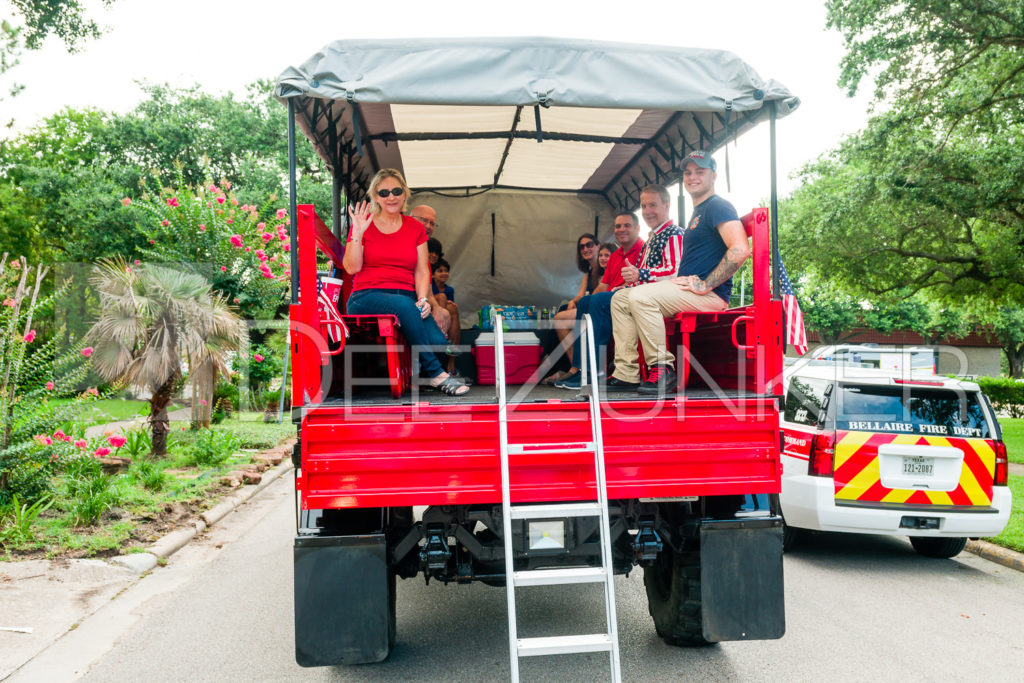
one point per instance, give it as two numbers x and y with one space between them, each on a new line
557 645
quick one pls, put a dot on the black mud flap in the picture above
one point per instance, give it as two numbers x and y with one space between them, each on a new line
742 592
344 600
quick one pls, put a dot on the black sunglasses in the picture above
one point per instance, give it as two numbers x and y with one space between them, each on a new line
586 245
394 191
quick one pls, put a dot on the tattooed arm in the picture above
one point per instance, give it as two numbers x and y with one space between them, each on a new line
736 252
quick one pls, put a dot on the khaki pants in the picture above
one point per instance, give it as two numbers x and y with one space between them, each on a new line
640 312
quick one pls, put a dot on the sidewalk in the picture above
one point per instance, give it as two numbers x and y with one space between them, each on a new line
177 415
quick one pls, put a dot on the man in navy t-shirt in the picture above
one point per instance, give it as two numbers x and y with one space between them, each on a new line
714 247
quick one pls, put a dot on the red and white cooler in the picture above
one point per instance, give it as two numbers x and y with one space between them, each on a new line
522 357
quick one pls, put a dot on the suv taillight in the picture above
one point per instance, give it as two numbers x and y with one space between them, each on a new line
823 450
1002 465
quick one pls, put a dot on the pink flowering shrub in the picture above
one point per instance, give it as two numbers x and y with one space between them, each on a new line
210 230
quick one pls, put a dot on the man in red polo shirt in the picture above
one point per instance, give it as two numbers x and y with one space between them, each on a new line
598 304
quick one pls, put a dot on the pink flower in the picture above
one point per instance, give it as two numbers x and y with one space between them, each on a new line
245 207
87 351
136 261
10 302
274 257
202 228
227 185
229 221
248 249
172 202
82 443
266 237
60 435
49 386
15 264
236 240
223 269
117 440
281 213
283 236
42 439
126 201
268 274
261 225
234 202
182 428
212 188
203 402
30 337
237 300
257 357
261 255
286 247
101 451
92 391
165 223
152 241
221 200
287 272
279 227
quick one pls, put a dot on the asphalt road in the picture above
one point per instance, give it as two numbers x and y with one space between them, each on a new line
858 608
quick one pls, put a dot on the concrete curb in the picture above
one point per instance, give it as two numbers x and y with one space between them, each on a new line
179 538
998 554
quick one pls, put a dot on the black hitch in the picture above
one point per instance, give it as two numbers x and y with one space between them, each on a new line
647 543
435 553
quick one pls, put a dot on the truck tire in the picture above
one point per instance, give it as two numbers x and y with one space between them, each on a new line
941 548
674 598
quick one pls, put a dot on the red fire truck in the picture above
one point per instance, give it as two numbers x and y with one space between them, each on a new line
521 145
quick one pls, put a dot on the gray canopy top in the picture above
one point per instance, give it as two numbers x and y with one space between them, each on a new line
460 116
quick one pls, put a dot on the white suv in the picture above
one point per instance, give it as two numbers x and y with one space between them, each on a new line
867 451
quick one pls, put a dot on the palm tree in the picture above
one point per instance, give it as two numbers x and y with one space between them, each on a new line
153 317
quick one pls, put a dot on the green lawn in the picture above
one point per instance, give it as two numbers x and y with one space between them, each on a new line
1013 534
110 410
1013 435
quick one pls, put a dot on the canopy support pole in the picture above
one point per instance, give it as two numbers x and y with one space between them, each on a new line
293 213
774 208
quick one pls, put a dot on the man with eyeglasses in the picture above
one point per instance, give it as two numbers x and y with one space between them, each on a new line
598 304
447 312
427 216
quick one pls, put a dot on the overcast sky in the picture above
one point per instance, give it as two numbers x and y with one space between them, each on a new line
225 44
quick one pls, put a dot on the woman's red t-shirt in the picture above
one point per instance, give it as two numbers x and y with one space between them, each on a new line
389 261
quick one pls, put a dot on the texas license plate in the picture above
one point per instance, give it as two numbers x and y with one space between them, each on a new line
918 465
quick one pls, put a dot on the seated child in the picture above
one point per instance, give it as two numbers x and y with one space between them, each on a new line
445 296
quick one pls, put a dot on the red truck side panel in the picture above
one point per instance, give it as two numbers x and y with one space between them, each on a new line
448 455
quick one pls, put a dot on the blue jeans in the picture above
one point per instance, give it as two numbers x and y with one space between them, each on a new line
419 332
599 306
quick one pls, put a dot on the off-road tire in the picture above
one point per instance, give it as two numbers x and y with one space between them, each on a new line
674 599
942 548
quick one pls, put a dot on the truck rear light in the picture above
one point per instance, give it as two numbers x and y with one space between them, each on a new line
823 450
1002 465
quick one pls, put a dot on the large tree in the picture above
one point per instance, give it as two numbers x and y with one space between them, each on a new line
62 182
931 195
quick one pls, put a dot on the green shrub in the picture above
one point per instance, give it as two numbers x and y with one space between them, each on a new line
17 518
212 447
1005 393
88 490
148 474
139 442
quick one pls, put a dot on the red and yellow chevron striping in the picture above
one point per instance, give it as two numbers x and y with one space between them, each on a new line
858 478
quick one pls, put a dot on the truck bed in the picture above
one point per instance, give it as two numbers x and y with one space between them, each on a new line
445 451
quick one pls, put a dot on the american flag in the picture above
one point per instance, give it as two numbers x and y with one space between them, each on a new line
330 319
795 332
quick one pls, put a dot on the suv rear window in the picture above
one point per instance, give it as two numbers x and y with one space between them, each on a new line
804 400
911 410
